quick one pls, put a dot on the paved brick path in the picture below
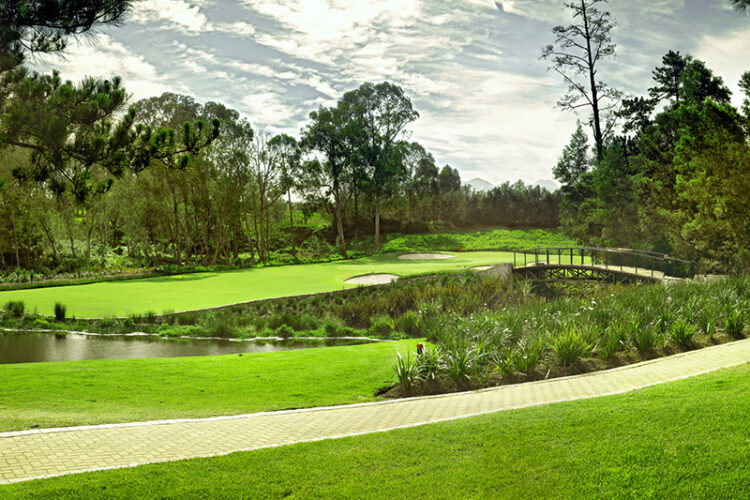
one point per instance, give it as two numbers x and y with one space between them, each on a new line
41 453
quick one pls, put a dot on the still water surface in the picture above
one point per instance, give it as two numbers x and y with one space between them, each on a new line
35 347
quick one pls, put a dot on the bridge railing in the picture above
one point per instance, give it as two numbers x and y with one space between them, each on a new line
622 259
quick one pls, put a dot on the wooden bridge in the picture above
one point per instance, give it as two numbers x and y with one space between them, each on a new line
614 265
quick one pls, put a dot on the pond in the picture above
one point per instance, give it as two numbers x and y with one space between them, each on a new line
36 347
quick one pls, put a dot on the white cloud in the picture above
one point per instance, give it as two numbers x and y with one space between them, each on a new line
728 56
103 57
178 13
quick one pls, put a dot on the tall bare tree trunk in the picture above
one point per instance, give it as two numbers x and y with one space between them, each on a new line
339 219
377 223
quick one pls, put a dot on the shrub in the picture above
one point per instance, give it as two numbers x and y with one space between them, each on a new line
408 322
461 363
331 329
406 372
221 329
682 333
644 338
381 326
707 321
60 311
15 309
570 346
285 332
528 354
429 364
614 339
734 322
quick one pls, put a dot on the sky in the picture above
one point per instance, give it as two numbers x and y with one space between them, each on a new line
472 68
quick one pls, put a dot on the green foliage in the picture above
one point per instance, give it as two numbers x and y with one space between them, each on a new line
406 372
381 326
570 345
430 364
734 322
15 309
408 323
682 333
285 332
60 311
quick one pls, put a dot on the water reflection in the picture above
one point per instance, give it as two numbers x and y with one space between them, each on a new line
30 347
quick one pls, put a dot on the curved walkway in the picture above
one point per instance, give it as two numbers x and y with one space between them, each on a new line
43 453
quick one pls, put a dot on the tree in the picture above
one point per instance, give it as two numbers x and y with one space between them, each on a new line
286 149
572 170
699 84
741 5
44 26
72 130
668 77
745 86
576 54
574 161
379 115
327 134
449 180
417 162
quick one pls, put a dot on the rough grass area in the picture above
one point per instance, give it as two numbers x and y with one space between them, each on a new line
104 391
489 239
206 290
686 439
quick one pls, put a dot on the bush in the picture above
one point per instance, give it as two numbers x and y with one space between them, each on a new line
60 311
527 356
408 323
221 329
406 372
734 323
15 309
285 332
570 346
682 333
429 364
381 326
332 329
644 338
461 363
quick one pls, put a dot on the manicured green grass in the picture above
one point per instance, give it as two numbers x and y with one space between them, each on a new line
687 439
104 391
488 239
206 290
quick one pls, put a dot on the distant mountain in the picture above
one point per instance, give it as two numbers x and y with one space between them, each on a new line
480 185
547 184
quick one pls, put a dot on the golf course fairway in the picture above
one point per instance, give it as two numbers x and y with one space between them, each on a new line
206 290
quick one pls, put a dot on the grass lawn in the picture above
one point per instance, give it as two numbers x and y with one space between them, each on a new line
105 391
206 290
485 239
687 439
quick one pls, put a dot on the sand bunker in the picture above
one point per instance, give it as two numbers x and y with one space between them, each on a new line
425 256
481 268
373 279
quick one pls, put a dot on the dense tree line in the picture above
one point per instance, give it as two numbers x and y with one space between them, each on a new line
247 196
86 179
678 177
675 178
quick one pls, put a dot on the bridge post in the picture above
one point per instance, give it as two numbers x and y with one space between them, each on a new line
548 262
